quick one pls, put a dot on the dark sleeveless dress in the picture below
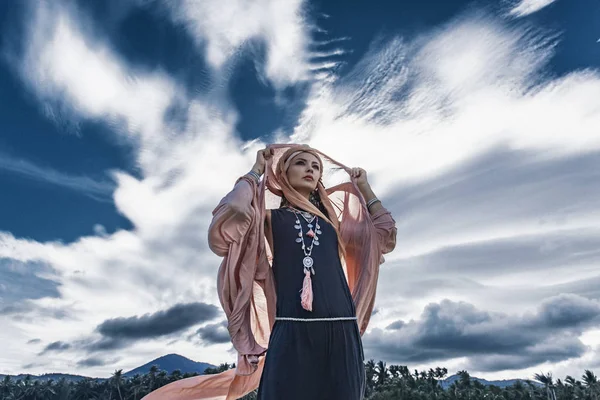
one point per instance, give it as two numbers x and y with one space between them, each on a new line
311 360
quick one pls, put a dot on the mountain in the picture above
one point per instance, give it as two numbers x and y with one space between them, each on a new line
170 363
503 383
47 377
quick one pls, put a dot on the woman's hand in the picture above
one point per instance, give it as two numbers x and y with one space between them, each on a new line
360 175
261 160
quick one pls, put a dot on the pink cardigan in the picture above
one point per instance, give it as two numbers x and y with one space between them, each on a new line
246 286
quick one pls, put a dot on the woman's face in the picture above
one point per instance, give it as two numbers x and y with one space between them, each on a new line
304 173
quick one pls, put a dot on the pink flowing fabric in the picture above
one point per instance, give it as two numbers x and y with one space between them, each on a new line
245 280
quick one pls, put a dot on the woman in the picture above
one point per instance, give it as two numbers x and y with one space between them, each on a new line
299 279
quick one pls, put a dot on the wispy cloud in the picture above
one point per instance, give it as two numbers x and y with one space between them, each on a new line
282 26
56 346
72 70
526 7
483 158
473 147
98 190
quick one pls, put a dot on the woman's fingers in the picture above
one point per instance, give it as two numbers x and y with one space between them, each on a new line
356 172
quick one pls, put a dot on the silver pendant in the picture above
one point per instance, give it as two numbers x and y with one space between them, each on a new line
308 262
297 226
299 240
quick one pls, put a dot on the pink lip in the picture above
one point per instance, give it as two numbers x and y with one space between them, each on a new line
308 178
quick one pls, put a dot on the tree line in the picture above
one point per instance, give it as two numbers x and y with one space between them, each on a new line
383 383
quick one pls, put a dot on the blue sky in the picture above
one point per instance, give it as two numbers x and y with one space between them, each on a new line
124 123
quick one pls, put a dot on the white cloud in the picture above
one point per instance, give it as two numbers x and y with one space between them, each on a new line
469 140
526 7
99 190
222 29
68 68
415 115
165 259
469 88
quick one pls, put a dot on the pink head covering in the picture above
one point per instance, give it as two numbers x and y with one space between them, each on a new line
280 184
277 182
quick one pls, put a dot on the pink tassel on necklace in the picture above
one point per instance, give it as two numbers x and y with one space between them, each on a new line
306 296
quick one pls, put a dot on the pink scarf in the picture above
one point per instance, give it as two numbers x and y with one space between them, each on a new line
245 280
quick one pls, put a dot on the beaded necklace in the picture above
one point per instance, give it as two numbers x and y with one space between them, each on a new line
307 262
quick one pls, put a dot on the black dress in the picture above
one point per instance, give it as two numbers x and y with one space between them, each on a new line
311 360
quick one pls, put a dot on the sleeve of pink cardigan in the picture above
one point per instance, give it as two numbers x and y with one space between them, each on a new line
385 226
232 217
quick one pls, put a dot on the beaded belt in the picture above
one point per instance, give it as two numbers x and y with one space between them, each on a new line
315 319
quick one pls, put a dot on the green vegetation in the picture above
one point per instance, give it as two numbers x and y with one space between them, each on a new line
383 383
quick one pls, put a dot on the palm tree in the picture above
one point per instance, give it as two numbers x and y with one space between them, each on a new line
152 378
394 371
84 389
117 381
381 373
464 379
518 390
161 378
591 384
47 390
138 385
546 380
63 389
370 372
6 386
175 375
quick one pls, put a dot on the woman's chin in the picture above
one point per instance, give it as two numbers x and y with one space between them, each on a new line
304 186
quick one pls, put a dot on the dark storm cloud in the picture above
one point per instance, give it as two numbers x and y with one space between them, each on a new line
119 333
491 341
214 333
56 347
103 344
91 362
175 319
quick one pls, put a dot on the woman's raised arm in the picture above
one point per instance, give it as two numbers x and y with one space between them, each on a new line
232 217
234 214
